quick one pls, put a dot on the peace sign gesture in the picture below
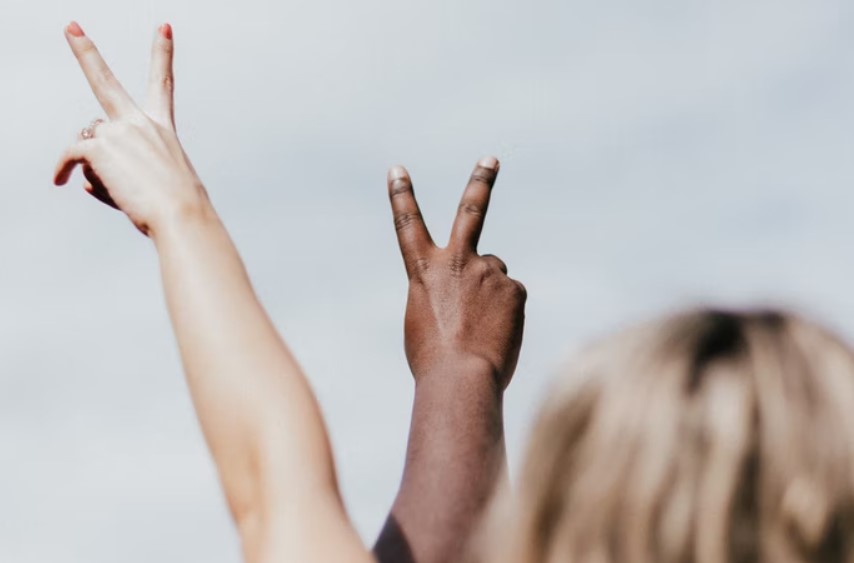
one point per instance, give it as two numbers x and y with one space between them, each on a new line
461 305
133 161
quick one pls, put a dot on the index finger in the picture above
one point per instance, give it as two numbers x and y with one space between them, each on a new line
112 97
472 211
412 235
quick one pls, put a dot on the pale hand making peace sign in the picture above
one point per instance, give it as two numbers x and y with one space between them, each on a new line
134 161
461 305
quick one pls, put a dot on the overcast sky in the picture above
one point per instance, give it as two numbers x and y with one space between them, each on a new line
654 155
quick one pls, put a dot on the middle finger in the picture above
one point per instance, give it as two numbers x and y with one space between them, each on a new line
469 222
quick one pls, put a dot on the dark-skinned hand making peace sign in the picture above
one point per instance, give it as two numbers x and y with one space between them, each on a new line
461 305
463 331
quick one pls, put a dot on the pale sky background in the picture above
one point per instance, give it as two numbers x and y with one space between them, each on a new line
654 154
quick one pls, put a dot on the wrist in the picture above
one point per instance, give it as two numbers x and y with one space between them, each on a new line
456 372
181 215
459 408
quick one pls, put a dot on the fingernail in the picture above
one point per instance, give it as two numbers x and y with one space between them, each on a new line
490 163
397 173
75 29
166 31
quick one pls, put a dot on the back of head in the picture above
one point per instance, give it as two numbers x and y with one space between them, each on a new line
709 437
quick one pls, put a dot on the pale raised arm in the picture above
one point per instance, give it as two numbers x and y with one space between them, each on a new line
257 411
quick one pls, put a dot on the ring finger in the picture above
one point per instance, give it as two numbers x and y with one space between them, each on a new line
90 130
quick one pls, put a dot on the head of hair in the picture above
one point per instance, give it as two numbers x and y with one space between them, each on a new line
708 437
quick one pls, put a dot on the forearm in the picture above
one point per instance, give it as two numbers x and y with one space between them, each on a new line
255 407
455 459
257 412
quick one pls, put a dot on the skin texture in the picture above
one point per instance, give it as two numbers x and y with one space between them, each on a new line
256 409
462 333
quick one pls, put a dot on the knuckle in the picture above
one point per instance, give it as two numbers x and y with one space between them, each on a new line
486 268
405 220
457 264
137 120
121 127
495 262
167 82
472 209
105 129
85 48
105 76
400 187
420 266
481 177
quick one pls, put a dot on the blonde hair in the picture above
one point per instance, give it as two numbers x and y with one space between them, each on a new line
708 437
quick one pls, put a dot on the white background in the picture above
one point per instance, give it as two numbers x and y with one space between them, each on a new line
654 154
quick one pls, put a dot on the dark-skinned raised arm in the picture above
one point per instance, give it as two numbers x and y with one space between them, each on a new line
462 334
